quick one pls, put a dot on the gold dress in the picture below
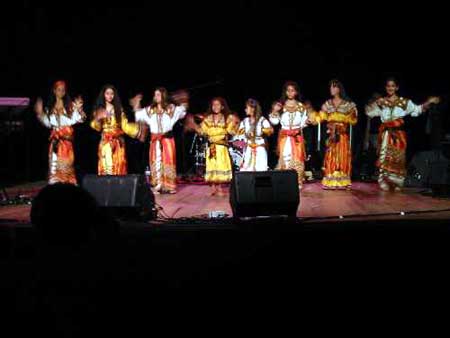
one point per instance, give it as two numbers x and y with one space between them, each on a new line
218 161
112 158
337 164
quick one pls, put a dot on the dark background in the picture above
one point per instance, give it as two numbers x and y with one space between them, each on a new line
237 49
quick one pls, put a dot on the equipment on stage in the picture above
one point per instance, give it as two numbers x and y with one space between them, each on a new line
266 193
419 170
198 150
236 149
431 169
127 196
13 142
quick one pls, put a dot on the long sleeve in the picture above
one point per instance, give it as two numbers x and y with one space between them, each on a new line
179 113
232 124
241 129
274 118
45 120
322 115
267 129
413 109
373 110
353 116
96 125
129 128
77 117
303 119
204 128
140 115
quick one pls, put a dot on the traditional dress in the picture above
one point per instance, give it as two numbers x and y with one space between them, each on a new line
291 145
392 139
255 153
218 161
337 165
60 155
162 144
112 158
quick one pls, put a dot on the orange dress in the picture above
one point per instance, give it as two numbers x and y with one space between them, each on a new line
60 154
392 139
291 144
337 166
112 158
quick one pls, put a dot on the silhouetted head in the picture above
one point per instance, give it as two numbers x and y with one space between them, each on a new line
65 215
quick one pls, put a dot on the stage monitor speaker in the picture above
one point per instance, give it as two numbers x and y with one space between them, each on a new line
127 196
419 170
266 193
440 178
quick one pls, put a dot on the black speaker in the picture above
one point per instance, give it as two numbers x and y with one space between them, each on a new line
127 196
419 170
266 193
440 178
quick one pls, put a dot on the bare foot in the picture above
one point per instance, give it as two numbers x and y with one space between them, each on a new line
213 191
220 193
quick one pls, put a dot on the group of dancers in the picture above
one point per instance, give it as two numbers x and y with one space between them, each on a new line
219 124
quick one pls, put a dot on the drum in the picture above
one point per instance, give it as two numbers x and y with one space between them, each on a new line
236 149
236 157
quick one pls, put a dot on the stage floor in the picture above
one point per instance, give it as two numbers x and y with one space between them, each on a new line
363 201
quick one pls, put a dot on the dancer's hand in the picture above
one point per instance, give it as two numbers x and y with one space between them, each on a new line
433 100
78 104
101 114
39 107
143 127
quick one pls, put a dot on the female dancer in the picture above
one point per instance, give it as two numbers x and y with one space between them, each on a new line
293 117
339 113
59 116
160 117
392 137
255 128
217 125
111 121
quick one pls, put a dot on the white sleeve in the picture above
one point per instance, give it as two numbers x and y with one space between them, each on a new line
274 118
140 115
303 120
179 113
45 120
413 109
76 118
373 110
265 123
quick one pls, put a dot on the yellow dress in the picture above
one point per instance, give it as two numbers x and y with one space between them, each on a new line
337 166
218 161
112 158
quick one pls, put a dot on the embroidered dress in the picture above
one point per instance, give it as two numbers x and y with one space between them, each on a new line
392 140
291 145
60 154
162 155
255 154
218 161
337 166
112 158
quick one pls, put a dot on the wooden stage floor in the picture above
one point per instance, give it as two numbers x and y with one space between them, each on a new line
364 201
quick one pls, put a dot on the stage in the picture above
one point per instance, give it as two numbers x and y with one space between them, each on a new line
363 202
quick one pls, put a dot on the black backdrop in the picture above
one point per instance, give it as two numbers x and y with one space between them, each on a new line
246 48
